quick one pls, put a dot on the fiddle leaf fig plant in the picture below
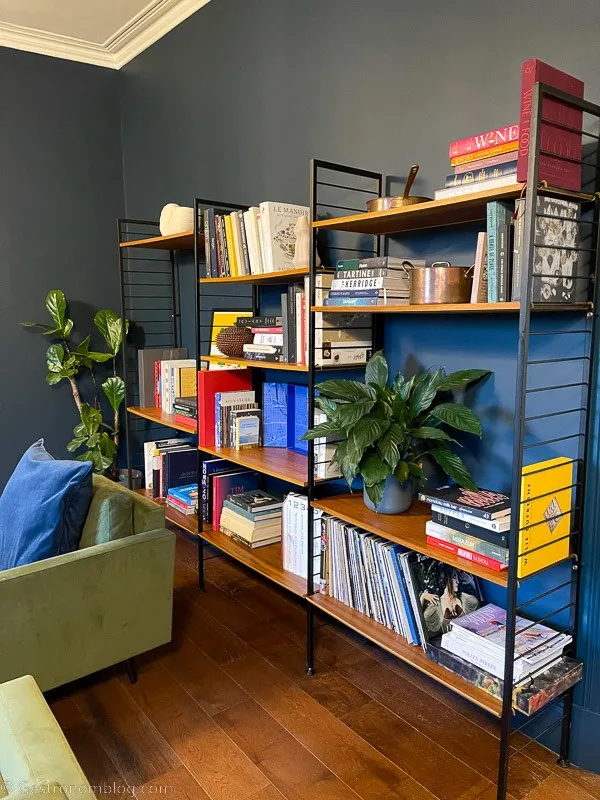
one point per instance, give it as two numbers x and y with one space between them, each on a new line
388 430
67 361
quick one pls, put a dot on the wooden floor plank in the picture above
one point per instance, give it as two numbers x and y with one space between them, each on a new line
587 781
136 748
290 767
555 788
178 784
223 771
347 755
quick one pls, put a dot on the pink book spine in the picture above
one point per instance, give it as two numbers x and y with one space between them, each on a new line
560 173
468 555
494 161
483 141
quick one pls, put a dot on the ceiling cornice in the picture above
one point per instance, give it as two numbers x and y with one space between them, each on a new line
147 27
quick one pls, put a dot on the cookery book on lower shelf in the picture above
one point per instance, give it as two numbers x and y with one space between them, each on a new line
482 503
226 483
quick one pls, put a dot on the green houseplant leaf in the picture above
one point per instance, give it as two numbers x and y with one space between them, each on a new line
456 380
349 413
114 389
423 392
454 467
56 306
344 390
328 428
458 416
368 430
373 468
111 327
376 371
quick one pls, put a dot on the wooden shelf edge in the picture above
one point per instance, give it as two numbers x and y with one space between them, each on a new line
283 276
277 462
244 362
159 417
456 308
175 241
410 654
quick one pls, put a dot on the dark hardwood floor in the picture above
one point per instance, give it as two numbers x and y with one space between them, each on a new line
225 712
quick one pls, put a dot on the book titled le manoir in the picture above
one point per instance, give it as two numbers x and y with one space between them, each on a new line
277 226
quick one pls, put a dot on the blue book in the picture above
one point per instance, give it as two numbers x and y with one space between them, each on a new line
186 494
297 418
212 466
351 301
481 174
181 467
275 414
397 550
498 213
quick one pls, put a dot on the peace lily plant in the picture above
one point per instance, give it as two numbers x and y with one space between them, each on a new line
388 430
67 361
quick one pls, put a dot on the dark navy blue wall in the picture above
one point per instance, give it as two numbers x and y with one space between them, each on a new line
234 102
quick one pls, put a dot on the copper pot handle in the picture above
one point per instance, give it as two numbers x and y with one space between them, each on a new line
412 174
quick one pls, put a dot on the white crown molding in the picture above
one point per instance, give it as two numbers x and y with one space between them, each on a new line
148 26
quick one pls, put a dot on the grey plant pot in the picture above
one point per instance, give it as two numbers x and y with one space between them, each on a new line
397 497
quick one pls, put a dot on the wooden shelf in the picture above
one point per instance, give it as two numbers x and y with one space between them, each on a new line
275 461
411 654
454 308
435 213
244 362
407 529
160 417
283 276
176 241
188 522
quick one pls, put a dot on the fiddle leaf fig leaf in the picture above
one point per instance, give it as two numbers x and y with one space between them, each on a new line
454 467
56 305
52 378
55 356
83 347
91 418
114 389
111 327
376 371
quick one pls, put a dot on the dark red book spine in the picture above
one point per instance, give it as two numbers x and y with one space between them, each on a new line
180 419
468 555
157 403
556 171
483 141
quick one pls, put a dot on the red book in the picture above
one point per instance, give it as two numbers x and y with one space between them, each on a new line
492 161
209 383
563 174
469 555
483 141
267 330
157 403
181 419
229 483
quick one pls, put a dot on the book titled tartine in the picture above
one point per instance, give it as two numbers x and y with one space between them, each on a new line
479 503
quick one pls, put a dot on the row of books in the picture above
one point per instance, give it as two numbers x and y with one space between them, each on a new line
560 268
169 463
475 525
499 157
377 281
238 420
259 240
441 608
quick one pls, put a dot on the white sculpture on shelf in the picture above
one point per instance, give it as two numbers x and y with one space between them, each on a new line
176 219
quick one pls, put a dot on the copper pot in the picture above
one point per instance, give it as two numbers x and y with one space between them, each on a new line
440 283
383 203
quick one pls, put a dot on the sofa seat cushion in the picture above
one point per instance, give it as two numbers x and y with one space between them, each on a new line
43 508
110 515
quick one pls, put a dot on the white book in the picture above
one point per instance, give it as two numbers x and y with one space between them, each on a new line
240 398
300 338
278 221
472 188
500 525
252 236
268 338
175 378
370 283
479 292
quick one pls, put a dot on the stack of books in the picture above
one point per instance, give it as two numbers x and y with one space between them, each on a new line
238 419
185 411
481 162
472 525
378 281
252 518
173 378
480 638
178 461
253 242
183 499
268 342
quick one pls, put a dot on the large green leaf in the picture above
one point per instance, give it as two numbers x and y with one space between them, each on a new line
415 471
328 428
52 378
107 447
91 418
342 389
55 356
83 348
373 468
400 409
376 371
427 432
99 358
76 443
406 388
398 382
375 493
458 416
329 407
402 471
456 380
349 413
348 457
114 389
110 326
454 467
368 430
388 444
423 393
56 305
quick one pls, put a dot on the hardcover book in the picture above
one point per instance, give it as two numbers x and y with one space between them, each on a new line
212 466
483 163
480 503
257 500
225 484
278 222
498 214
275 414
147 356
479 289
556 171
209 383
490 152
469 527
483 141
481 174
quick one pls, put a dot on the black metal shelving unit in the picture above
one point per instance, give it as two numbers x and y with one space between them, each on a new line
554 385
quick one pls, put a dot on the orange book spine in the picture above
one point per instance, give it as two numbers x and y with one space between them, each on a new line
498 150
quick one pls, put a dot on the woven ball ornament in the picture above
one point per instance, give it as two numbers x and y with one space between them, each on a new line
230 341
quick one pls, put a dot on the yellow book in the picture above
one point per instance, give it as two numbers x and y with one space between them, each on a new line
186 383
546 499
497 150
233 266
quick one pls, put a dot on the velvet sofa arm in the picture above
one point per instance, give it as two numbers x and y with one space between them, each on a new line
70 616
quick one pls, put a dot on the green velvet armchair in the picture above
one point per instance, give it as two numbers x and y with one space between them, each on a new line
70 616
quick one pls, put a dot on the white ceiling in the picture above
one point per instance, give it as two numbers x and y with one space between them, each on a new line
105 32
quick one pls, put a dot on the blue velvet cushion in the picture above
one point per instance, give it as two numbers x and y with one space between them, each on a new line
43 507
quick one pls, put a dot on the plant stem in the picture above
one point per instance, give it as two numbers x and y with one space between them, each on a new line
116 430
75 391
96 392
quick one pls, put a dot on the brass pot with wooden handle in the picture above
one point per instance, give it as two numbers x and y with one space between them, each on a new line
383 203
